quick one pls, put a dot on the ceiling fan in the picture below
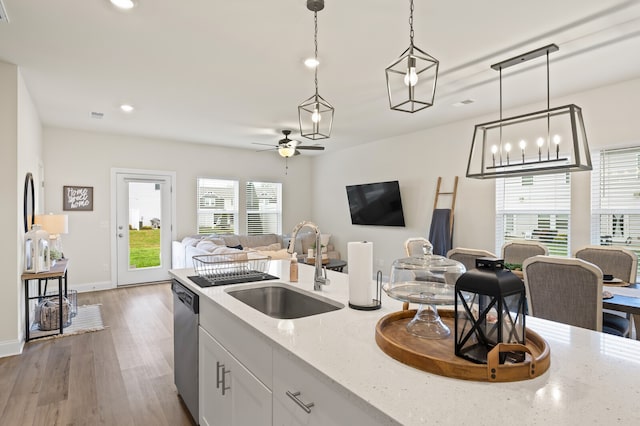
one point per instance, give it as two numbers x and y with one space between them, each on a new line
289 147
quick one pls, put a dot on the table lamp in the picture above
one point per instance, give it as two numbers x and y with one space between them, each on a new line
55 225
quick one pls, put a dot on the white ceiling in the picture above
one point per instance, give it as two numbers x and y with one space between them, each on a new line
231 73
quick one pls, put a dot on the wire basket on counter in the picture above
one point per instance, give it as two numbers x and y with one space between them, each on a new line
231 268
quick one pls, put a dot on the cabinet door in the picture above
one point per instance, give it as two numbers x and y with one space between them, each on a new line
215 408
229 394
251 400
303 398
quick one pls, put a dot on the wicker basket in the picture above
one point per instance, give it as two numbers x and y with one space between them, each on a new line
48 313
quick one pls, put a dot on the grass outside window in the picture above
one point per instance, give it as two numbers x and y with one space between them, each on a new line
144 248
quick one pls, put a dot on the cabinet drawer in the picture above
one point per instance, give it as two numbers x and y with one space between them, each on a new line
332 404
247 346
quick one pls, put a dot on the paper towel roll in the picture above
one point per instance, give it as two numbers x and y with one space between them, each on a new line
360 258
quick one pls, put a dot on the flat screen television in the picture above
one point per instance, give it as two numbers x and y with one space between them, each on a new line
376 204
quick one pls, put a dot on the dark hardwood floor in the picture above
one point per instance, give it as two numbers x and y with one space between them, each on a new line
122 375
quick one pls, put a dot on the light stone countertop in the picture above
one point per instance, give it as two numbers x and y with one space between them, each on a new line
594 378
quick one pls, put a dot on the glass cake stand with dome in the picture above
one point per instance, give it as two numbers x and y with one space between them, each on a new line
429 281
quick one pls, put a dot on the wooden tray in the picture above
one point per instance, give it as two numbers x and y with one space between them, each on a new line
312 261
438 357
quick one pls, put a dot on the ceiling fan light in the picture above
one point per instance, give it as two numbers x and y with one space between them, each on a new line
286 151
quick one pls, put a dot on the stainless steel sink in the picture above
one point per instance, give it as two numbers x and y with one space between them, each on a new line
280 301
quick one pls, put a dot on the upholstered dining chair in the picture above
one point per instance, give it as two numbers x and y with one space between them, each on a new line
416 246
569 290
620 262
516 251
468 256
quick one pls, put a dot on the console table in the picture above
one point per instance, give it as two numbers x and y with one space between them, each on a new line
59 272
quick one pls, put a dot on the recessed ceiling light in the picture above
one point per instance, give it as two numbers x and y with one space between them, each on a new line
311 62
123 4
126 108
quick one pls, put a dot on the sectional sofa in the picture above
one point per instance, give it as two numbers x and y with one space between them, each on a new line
268 244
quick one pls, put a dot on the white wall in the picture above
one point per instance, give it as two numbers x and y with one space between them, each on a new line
20 133
416 160
86 158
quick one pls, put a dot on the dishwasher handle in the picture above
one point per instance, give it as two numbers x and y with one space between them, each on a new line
186 296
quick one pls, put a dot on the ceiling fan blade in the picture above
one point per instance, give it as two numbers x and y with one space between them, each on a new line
311 147
265 144
297 152
266 149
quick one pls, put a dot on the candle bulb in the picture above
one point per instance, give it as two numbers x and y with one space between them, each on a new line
556 140
494 149
540 142
523 145
507 148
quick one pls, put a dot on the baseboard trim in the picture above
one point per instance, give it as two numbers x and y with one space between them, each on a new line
11 347
102 285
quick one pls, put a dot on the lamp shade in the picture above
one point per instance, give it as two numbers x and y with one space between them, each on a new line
54 224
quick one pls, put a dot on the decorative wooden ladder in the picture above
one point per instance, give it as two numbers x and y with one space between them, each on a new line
453 199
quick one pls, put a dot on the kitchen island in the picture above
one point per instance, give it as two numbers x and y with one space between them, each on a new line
593 377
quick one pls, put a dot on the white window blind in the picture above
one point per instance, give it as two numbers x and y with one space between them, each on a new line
615 198
264 208
535 208
217 206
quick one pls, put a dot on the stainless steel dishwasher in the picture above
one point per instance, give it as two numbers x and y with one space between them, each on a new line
185 345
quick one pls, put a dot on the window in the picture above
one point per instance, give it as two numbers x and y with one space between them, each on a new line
534 208
615 198
217 206
264 208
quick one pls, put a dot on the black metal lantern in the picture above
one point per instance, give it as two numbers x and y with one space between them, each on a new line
490 309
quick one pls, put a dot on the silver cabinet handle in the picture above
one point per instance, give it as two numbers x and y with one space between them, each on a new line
305 407
219 380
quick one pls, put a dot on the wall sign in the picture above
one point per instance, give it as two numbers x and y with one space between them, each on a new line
77 198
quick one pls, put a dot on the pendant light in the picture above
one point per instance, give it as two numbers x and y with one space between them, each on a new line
552 140
315 114
412 78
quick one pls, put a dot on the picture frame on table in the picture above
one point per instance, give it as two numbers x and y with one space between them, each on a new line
77 198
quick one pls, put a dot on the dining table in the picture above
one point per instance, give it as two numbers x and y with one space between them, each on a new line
626 298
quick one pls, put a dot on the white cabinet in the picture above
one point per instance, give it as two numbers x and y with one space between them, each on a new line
229 393
303 397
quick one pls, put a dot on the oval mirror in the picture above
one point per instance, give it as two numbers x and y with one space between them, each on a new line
29 202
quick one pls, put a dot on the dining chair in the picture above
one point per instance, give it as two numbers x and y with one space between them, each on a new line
516 251
468 256
569 290
620 262
415 246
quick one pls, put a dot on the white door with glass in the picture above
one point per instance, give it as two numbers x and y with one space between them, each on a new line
143 227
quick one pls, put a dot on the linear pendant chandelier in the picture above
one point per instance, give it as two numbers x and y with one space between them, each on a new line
315 114
412 78
552 140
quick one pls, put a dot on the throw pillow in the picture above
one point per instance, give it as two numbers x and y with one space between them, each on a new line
190 241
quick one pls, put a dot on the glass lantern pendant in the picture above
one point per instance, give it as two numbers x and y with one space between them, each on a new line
412 78
315 114
489 311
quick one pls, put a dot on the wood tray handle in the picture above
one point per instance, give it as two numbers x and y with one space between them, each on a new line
495 369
